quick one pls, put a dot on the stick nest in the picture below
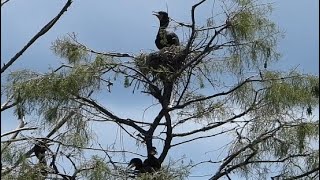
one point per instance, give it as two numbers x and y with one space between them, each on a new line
162 63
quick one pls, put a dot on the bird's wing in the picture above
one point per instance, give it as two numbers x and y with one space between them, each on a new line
173 38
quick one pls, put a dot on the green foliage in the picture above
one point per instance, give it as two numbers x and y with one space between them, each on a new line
244 48
255 37
26 171
10 154
98 171
281 100
52 90
244 25
288 146
52 114
293 91
244 95
78 134
304 133
278 92
67 48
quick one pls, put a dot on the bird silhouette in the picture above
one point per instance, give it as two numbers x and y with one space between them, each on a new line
165 38
151 164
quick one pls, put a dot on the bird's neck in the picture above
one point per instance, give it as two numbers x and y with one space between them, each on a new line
151 156
164 24
162 31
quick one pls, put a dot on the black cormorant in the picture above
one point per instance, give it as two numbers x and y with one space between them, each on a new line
165 38
137 163
40 150
151 164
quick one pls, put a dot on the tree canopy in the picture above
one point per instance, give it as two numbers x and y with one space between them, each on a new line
218 83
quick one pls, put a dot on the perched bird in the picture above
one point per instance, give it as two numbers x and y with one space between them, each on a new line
151 164
165 38
40 150
137 163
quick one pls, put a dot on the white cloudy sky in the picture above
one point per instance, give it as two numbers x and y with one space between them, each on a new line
128 26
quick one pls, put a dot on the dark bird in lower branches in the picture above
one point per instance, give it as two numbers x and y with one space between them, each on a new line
150 165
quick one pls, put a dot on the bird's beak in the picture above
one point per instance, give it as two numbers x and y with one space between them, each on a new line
155 13
130 166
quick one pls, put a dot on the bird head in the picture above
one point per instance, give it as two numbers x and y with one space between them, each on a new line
135 162
163 17
153 151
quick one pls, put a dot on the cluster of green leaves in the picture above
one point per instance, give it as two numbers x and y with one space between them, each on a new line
56 89
281 102
295 90
27 171
277 92
254 35
68 49
281 153
97 169
53 95
10 154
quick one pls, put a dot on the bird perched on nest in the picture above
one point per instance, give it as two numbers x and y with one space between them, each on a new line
151 164
165 38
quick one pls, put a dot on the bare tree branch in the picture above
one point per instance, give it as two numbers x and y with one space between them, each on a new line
4 2
6 104
44 30
18 130
116 118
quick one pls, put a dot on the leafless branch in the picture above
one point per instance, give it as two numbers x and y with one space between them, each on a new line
44 30
15 132
5 105
4 2
18 130
193 25
202 137
109 114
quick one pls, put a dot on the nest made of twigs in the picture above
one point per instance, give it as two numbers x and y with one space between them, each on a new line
162 63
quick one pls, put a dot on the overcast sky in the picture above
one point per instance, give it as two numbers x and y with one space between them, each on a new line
128 26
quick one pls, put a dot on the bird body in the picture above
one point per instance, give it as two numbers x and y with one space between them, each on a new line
165 38
137 163
40 150
150 165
